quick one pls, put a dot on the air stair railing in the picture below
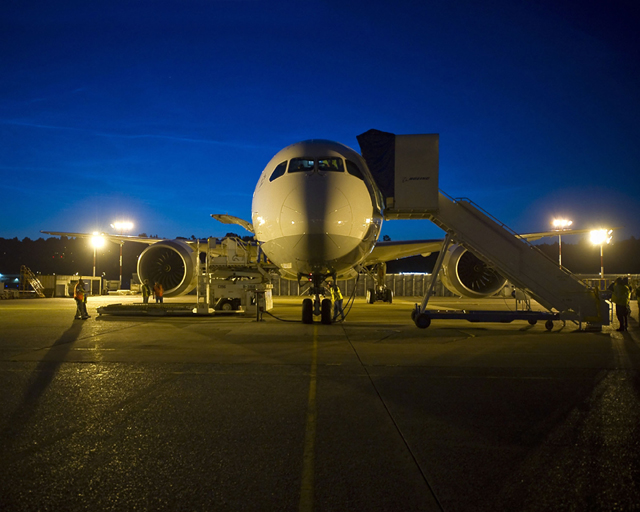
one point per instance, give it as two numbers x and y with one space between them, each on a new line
508 228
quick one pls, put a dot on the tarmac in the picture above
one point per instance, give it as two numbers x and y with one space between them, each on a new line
228 413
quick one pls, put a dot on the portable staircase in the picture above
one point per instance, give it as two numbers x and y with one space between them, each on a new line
517 260
28 278
406 168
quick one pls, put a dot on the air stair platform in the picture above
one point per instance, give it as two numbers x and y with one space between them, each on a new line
523 264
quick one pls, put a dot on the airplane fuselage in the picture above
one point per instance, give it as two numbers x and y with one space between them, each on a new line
316 209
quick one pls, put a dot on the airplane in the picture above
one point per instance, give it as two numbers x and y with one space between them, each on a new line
316 215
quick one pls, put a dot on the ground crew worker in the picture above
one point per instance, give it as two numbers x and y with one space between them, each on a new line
157 292
81 301
621 296
336 297
146 291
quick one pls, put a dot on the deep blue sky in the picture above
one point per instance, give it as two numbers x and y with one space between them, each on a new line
164 112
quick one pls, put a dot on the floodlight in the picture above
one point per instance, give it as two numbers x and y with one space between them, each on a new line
97 240
121 226
561 223
601 236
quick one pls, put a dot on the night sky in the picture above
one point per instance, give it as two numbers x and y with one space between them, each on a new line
164 112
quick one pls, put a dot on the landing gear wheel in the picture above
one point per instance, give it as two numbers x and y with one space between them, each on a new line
326 311
548 325
307 311
422 321
371 296
388 295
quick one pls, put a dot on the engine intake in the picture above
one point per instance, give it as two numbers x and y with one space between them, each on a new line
468 276
172 263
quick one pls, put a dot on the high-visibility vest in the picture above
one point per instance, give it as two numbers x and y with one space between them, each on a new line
336 294
621 294
78 292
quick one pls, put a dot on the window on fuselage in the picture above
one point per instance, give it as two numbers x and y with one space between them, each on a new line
354 170
330 165
301 165
278 171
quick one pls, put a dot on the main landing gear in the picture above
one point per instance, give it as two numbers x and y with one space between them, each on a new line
380 292
316 306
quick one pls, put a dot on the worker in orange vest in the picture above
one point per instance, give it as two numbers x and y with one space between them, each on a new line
80 297
157 292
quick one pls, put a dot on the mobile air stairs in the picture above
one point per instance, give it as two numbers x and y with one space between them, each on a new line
406 169
524 265
28 278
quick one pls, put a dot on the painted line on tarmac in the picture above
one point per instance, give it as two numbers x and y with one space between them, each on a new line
308 458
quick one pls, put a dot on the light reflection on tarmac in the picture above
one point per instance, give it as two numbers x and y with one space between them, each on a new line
226 413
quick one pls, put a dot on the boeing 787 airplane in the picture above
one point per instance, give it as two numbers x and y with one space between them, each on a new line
316 215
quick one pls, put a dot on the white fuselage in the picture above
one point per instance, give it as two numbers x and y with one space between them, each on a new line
316 209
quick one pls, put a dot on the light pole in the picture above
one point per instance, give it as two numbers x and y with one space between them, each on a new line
601 237
97 241
121 227
560 225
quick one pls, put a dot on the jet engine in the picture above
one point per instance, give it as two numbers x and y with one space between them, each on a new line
464 274
172 263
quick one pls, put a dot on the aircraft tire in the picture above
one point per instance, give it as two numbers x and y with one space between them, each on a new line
388 296
326 311
307 311
422 321
371 296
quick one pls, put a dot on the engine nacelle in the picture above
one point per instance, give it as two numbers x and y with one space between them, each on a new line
464 274
172 263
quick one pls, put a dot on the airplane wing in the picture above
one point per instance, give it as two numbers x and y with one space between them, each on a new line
218 250
109 237
230 219
387 251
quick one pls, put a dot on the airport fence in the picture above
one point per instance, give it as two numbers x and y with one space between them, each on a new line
415 285
402 285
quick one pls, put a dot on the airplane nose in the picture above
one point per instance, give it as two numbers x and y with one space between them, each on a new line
316 211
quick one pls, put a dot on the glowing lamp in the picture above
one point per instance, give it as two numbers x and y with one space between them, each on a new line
122 226
97 240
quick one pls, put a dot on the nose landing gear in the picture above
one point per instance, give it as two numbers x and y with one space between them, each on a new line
316 306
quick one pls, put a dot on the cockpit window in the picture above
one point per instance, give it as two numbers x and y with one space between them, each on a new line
278 171
354 170
330 165
301 165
